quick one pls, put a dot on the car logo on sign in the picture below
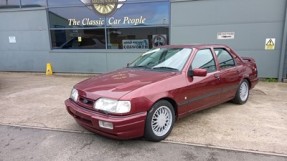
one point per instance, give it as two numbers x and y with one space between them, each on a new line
106 7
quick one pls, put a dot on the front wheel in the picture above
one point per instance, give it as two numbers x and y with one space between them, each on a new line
242 93
160 120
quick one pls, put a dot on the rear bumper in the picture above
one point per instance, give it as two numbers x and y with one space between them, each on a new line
124 127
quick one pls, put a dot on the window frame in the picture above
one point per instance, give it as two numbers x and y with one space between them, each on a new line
213 58
219 63
83 38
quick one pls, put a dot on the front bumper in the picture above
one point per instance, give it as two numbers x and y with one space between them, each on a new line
124 127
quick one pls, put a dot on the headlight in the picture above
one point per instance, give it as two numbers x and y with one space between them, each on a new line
74 95
112 106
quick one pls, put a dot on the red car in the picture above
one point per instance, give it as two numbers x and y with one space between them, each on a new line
161 86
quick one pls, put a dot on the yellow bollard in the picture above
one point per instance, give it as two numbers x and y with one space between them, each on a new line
49 70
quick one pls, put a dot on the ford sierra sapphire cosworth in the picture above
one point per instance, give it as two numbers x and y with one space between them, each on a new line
161 86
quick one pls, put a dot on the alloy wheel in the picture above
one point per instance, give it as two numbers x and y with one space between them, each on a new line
161 121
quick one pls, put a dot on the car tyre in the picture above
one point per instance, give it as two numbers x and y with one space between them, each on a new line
242 93
160 120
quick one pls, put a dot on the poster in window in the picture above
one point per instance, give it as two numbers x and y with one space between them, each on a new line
159 40
135 44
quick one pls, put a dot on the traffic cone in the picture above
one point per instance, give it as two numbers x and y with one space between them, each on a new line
49 70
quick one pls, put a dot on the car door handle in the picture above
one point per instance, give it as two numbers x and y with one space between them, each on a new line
217 76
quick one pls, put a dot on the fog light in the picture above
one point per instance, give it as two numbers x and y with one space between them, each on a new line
106 125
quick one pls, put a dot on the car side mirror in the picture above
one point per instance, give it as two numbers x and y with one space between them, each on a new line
197 72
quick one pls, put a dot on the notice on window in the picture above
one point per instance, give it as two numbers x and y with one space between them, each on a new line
12 39
136 44
79 39
270 44
225 35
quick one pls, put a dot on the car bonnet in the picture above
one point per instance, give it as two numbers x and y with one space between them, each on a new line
116 84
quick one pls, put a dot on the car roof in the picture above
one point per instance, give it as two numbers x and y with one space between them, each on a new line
197 46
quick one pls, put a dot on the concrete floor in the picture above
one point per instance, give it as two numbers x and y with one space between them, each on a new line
36 100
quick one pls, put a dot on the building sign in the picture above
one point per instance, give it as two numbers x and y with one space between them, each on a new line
225 35
135 44
270 44
159 40
110 21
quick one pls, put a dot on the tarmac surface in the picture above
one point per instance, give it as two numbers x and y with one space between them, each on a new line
23 144
35 100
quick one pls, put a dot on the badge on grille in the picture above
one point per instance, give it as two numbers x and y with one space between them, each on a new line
85 101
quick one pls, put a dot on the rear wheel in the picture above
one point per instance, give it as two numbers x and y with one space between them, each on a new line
242 93
160 120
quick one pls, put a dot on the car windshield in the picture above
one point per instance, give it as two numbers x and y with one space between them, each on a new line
172 59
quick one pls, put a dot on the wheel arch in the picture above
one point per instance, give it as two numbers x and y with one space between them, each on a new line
172 102
248 80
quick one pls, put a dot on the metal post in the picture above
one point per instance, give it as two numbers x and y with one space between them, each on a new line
283 49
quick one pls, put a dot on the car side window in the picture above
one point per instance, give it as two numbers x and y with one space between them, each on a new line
204 60
224 58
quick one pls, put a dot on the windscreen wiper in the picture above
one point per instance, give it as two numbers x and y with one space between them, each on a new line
140 66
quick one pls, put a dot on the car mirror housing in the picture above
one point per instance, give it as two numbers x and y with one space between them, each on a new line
197 72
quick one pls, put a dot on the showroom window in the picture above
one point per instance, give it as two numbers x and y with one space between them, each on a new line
136 38
22 3
78 39
115 24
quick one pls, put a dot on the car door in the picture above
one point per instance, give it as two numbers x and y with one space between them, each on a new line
202 92
229 74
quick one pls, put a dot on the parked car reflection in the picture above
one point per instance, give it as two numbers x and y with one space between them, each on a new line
83 43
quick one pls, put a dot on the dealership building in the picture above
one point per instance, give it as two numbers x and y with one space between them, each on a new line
97 36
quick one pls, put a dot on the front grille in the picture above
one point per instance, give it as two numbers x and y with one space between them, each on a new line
85 102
